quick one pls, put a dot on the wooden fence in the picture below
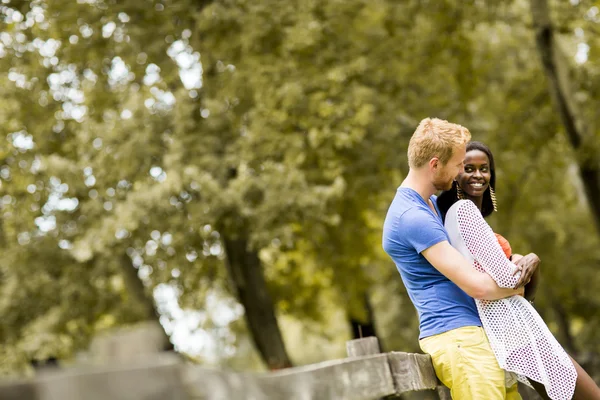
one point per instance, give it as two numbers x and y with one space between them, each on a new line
365 374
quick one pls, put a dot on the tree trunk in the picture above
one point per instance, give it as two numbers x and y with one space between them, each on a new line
564 327
135 287
245 272
556 69
366 328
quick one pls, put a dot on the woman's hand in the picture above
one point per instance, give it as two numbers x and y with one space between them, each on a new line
531 287
527 265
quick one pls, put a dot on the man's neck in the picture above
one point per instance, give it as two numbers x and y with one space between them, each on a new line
419 182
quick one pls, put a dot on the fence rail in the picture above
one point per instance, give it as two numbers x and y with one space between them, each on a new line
366 374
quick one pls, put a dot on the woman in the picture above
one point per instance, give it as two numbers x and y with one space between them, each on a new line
479 180
520 339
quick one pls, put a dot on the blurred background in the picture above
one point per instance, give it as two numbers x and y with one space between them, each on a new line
211 177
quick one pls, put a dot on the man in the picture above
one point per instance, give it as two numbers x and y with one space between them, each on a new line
440 282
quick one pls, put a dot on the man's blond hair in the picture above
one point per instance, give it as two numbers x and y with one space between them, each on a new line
435 138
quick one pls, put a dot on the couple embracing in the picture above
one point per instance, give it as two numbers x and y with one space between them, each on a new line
472 294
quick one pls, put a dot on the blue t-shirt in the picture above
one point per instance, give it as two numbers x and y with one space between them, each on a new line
411 227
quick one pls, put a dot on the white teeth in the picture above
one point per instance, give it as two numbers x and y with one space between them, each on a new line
477 184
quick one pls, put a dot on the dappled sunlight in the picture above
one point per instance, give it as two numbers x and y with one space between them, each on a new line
216 175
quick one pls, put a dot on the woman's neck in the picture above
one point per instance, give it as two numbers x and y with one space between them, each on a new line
477 200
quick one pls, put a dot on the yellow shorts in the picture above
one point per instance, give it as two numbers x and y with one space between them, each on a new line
464 361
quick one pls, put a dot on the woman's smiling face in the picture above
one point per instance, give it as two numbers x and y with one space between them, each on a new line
475 179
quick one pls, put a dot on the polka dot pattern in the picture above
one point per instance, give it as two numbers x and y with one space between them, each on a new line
520 339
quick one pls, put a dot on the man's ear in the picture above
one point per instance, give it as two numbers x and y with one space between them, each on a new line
434 163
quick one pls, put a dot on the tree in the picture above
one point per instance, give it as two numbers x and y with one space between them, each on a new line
556 66
251 150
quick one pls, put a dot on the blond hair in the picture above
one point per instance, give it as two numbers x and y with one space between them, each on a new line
435 138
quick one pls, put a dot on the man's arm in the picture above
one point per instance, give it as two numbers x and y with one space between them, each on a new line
455 267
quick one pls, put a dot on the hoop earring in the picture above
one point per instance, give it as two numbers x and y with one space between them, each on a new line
494 201
459 192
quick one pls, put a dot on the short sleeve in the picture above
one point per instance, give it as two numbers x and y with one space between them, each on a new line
483 245
419 229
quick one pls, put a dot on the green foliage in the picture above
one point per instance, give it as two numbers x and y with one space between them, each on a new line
293 134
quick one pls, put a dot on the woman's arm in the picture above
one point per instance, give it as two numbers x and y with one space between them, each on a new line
455 267
481 242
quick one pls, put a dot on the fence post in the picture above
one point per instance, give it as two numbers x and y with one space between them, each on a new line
443 392
363 347
370 345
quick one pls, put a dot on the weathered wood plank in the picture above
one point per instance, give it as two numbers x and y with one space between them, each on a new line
22 390
152 379
362 378
357 378
412 371
444 393
363 347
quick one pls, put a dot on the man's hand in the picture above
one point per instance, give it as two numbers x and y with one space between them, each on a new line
527 265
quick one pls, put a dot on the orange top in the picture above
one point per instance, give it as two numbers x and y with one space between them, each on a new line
505 245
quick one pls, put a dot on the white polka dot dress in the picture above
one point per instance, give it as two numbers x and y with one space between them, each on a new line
520 339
